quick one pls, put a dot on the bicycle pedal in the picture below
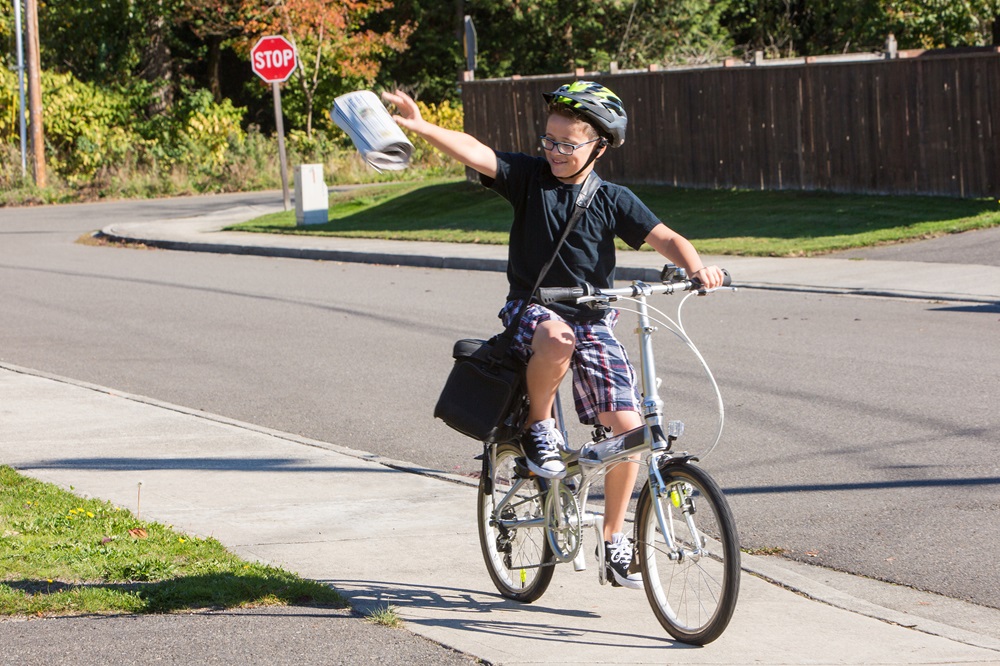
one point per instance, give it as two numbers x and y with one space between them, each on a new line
521 468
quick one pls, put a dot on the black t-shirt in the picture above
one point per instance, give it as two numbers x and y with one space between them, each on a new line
542 207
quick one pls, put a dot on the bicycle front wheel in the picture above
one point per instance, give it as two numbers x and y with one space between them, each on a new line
689 554
518 557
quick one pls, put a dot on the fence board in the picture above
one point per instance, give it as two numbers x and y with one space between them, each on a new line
924 125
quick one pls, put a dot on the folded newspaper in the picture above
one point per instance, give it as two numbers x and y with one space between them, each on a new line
375 134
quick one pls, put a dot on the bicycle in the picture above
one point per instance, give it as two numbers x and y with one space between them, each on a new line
687 546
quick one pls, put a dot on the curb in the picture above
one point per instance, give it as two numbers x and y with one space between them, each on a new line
315 254
417 260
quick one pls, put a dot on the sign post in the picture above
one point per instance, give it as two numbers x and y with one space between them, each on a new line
273 59
20 87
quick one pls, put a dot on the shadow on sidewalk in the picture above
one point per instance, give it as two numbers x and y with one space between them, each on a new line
532 621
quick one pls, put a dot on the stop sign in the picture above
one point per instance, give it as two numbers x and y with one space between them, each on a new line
273 58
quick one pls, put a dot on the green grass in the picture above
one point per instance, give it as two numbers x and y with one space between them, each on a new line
386 616
60 554
451 211
741 222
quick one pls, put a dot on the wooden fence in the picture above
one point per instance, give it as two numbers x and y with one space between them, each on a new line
922 124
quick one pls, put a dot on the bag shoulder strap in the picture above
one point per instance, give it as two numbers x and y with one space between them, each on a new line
583 201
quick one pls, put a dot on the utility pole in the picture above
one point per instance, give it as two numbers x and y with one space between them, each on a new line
35 92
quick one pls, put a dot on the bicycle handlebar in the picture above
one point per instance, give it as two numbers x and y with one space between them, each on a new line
548 295
590 294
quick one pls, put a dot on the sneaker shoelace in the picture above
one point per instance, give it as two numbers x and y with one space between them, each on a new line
621 552
547 444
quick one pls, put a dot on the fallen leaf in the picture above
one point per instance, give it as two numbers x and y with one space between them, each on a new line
138 532
812 553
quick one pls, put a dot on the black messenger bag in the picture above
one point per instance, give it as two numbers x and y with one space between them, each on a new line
484 396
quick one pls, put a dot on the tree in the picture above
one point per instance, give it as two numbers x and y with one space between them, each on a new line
937 24
680 32
215 23
549 36
95 41
815 27
337 49
429 68
542 36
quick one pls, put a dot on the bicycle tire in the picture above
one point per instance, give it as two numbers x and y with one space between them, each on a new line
520 561
693 596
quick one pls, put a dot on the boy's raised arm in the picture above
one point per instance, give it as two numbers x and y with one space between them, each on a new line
463 147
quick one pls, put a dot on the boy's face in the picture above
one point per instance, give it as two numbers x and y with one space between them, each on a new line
574 132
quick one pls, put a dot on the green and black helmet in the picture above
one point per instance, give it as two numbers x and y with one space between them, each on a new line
601 107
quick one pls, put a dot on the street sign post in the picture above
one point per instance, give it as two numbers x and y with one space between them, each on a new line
273 58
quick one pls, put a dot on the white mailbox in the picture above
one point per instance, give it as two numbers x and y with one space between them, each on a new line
312 199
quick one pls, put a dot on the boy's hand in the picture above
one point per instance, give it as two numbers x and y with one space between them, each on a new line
463 147
711 277
407 114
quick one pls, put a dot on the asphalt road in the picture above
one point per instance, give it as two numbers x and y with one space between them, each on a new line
860 432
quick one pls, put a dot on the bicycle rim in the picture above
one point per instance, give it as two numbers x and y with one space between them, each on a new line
693 587
518 559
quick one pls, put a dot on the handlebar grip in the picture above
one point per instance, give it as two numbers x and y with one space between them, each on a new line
548 295
727 279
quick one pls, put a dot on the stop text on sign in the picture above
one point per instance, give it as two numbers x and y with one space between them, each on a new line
273 58
277 59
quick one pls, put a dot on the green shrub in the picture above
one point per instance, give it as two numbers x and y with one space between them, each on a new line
198 132
9 105
101 142
427 156
87 128
10 166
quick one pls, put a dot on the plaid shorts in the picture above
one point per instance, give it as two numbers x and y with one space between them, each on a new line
603 377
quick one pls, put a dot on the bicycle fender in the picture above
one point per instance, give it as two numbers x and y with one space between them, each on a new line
675 461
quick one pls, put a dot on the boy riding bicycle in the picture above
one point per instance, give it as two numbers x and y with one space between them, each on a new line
585 118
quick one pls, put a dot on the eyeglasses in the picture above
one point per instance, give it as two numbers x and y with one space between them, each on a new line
561 147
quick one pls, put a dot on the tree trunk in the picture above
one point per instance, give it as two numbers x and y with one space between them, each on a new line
157 61
214 58
568 41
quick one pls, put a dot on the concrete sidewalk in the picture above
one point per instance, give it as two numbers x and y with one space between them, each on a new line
385 533
901 279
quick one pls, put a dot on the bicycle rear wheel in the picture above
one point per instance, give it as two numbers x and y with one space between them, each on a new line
693 586
519 559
